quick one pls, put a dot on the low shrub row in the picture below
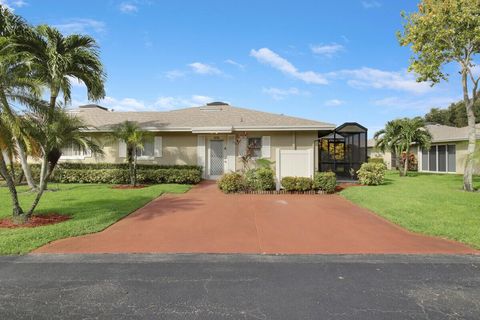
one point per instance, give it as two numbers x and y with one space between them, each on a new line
322 181
97 166
372 173
259 179
263 179
122 176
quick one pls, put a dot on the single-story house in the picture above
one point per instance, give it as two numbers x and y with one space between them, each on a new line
215 136
446 155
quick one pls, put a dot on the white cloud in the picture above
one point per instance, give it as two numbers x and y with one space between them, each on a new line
380 79
203 68
81 26
327 50
334 103
279 94
169 102
174 74
11 5
369 4
236 64
267 56
125 104
415 104
126 7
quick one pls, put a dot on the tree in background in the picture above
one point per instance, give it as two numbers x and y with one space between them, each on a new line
130 133
455 115
444 32
399 135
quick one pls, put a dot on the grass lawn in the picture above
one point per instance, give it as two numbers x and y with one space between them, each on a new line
426 203
92 208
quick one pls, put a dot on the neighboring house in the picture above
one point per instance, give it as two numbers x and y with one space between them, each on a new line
446 155
213 136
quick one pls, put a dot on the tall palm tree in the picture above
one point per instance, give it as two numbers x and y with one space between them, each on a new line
57 60
399 135
130 133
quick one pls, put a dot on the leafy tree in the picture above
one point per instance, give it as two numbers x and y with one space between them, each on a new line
399 135
455 115
130 133
444 32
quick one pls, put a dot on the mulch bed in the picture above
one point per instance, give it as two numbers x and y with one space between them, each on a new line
35 221
127 186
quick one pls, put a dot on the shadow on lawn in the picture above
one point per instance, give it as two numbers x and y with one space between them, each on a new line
148 208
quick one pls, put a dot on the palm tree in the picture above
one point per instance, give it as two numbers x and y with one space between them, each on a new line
399 135
130 133
57 60
53 132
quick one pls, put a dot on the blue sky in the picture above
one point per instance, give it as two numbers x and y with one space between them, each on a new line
331 61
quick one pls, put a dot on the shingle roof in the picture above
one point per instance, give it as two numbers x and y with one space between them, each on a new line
441 133
220 118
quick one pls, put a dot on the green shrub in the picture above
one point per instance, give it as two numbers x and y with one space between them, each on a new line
260 179
297 183
122 176
231 182
97 166
372 174
325 181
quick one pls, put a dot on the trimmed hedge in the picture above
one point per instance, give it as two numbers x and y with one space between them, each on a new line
372 174
146 174
260 179
325 181
97 166
297 183
231 182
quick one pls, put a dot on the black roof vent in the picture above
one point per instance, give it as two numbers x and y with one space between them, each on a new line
217 103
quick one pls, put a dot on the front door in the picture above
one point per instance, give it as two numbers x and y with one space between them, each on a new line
216 159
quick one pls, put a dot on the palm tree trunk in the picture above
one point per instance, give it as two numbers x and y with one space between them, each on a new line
42 186
17 211
25 167
405 166
135 170
468 172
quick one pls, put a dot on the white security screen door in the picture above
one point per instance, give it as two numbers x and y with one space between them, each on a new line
217 163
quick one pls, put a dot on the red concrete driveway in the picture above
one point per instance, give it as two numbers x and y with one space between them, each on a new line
206 221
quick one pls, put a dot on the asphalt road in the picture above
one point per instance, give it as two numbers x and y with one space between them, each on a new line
239 287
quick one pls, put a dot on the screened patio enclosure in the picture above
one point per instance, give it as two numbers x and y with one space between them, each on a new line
343 150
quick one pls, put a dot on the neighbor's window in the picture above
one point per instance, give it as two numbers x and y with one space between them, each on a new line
439 158
148 148
73 151
255 145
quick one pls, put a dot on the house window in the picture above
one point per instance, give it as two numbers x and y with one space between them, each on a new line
255 145
148 149
439 158
72 151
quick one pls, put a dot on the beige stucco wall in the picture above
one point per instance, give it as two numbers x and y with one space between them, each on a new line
177 148
286 140
181 148
461 156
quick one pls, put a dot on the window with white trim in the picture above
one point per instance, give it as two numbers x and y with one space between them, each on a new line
255 145
148 149
439 158
73 151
